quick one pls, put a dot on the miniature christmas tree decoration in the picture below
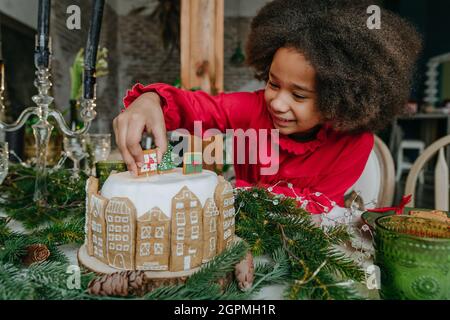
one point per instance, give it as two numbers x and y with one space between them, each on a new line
192 162
150 165
167 165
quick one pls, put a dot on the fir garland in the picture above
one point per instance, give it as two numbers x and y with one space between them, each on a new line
303 255
273 223
65 197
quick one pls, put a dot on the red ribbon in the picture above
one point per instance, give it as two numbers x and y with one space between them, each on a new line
398 210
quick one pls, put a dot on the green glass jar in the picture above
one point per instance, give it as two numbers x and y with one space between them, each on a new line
104 168
413 255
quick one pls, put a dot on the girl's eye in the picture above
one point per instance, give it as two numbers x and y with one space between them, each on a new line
273 85
296 96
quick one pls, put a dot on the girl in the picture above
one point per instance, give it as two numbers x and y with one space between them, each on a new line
331 82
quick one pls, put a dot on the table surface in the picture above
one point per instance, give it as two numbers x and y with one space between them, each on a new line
419 116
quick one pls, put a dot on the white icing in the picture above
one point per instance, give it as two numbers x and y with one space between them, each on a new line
158 190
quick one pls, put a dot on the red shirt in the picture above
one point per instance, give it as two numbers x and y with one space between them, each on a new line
317 172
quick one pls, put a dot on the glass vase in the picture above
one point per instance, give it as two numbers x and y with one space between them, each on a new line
413 255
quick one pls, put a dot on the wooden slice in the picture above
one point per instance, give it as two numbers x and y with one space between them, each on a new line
153 279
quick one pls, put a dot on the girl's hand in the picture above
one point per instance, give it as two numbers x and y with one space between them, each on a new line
144 113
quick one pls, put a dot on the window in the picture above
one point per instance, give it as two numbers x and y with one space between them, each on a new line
94 228
110 237
181 219
195 232
180 233
193 203
179 249
100 242
125 238
125 219
144 249
227 234
212 225
231 201
146 232
110 218
228 223
158 248
94 238
126 228
118 228
118 237
112 246
119 247
111 228
126 247
225 202
229 213
194 217
159 232
212 244
117 219
180 205
96 251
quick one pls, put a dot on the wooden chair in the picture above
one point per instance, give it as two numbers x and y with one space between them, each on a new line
377 182
441 174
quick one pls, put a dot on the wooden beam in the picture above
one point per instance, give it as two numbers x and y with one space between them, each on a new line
202 48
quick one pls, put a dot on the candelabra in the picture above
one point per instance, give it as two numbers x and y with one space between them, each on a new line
43 128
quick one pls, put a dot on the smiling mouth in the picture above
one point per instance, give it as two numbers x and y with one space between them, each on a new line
281 121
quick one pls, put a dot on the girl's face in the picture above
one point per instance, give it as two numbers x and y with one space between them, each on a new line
290 93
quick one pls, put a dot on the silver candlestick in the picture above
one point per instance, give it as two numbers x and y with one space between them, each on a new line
43 129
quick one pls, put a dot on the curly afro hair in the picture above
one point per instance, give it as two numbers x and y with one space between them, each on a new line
363 75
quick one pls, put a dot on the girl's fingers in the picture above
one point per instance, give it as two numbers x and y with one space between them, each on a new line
121 133
134 137
159 134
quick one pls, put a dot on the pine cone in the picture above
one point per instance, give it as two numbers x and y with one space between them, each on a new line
121 284
36 253
244 272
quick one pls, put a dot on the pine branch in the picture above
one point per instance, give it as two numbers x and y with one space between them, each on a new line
219 266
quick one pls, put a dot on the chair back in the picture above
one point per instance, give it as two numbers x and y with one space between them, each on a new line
376 184
441 174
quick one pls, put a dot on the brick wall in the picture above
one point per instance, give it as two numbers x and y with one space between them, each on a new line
66 44
136 54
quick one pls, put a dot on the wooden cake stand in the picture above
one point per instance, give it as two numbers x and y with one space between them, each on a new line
153 279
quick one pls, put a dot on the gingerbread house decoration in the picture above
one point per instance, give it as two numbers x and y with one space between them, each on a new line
150 165
224 198
97 227
186 231
121 227
152 241
194 233
91 188
210 220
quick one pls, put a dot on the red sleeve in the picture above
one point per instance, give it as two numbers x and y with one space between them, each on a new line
328 190
182 107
